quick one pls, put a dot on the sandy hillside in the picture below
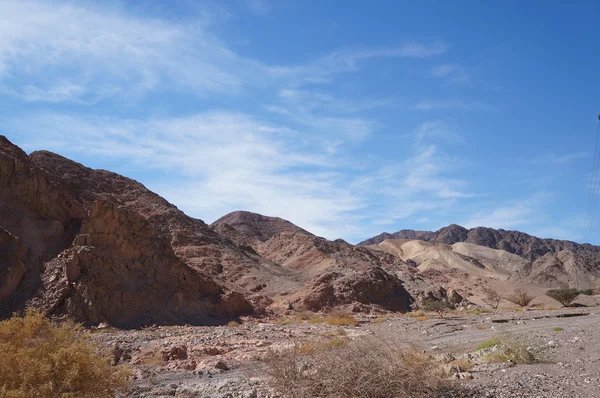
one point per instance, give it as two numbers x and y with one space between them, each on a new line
472 259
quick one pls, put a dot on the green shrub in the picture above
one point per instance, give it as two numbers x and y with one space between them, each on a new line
563 296
43 360
438 306
488 343
508 347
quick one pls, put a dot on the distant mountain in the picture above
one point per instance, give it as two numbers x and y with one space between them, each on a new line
552 262
519 243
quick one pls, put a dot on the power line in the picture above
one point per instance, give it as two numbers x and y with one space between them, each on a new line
594 188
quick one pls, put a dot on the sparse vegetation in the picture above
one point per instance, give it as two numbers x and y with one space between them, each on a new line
557 329
563 296
463 364
415 314
510 348
154 360
492 298
440 307
520 297
233 324
342 321
488 343
478 311
41 359
370 367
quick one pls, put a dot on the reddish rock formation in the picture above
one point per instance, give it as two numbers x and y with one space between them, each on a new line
120 272
119 268
252 228
12 263
339 287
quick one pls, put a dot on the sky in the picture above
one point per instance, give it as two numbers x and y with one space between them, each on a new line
347 118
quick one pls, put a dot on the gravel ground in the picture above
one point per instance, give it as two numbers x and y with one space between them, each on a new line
568 367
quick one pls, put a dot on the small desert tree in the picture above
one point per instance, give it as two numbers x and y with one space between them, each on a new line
438 306
41 359
563 296
520 297
492 298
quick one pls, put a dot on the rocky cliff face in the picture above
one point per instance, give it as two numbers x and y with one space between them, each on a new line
108 260
120 272
373 286
12 263
38 219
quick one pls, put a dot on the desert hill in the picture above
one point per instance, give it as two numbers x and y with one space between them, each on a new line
472 259
255 228
551 262
100 247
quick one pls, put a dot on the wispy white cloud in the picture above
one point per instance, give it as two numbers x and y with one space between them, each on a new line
70 51
436 131
294 162
218 162
258 7
443 70
423 182
512 215
452 73
554 159
451 104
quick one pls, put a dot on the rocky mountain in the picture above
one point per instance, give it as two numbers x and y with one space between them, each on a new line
252 227
100 247
581 267
467 257
139 244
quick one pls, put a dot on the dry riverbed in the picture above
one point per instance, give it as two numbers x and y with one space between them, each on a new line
226 361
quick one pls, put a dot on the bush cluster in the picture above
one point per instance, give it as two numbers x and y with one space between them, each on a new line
369 367
43 360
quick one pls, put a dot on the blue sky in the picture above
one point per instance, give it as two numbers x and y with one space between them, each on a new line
347 120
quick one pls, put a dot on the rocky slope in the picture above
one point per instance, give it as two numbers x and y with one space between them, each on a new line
252 228
99 247
142 250
339 272
551 262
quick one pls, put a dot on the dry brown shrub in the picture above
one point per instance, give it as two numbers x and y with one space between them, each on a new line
367 368
520 297
342 321
43 360
492 298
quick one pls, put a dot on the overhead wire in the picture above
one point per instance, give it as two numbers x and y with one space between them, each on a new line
594 188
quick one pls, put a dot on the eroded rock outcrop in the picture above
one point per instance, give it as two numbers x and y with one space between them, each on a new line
371 287
12 263
39 219
120 272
